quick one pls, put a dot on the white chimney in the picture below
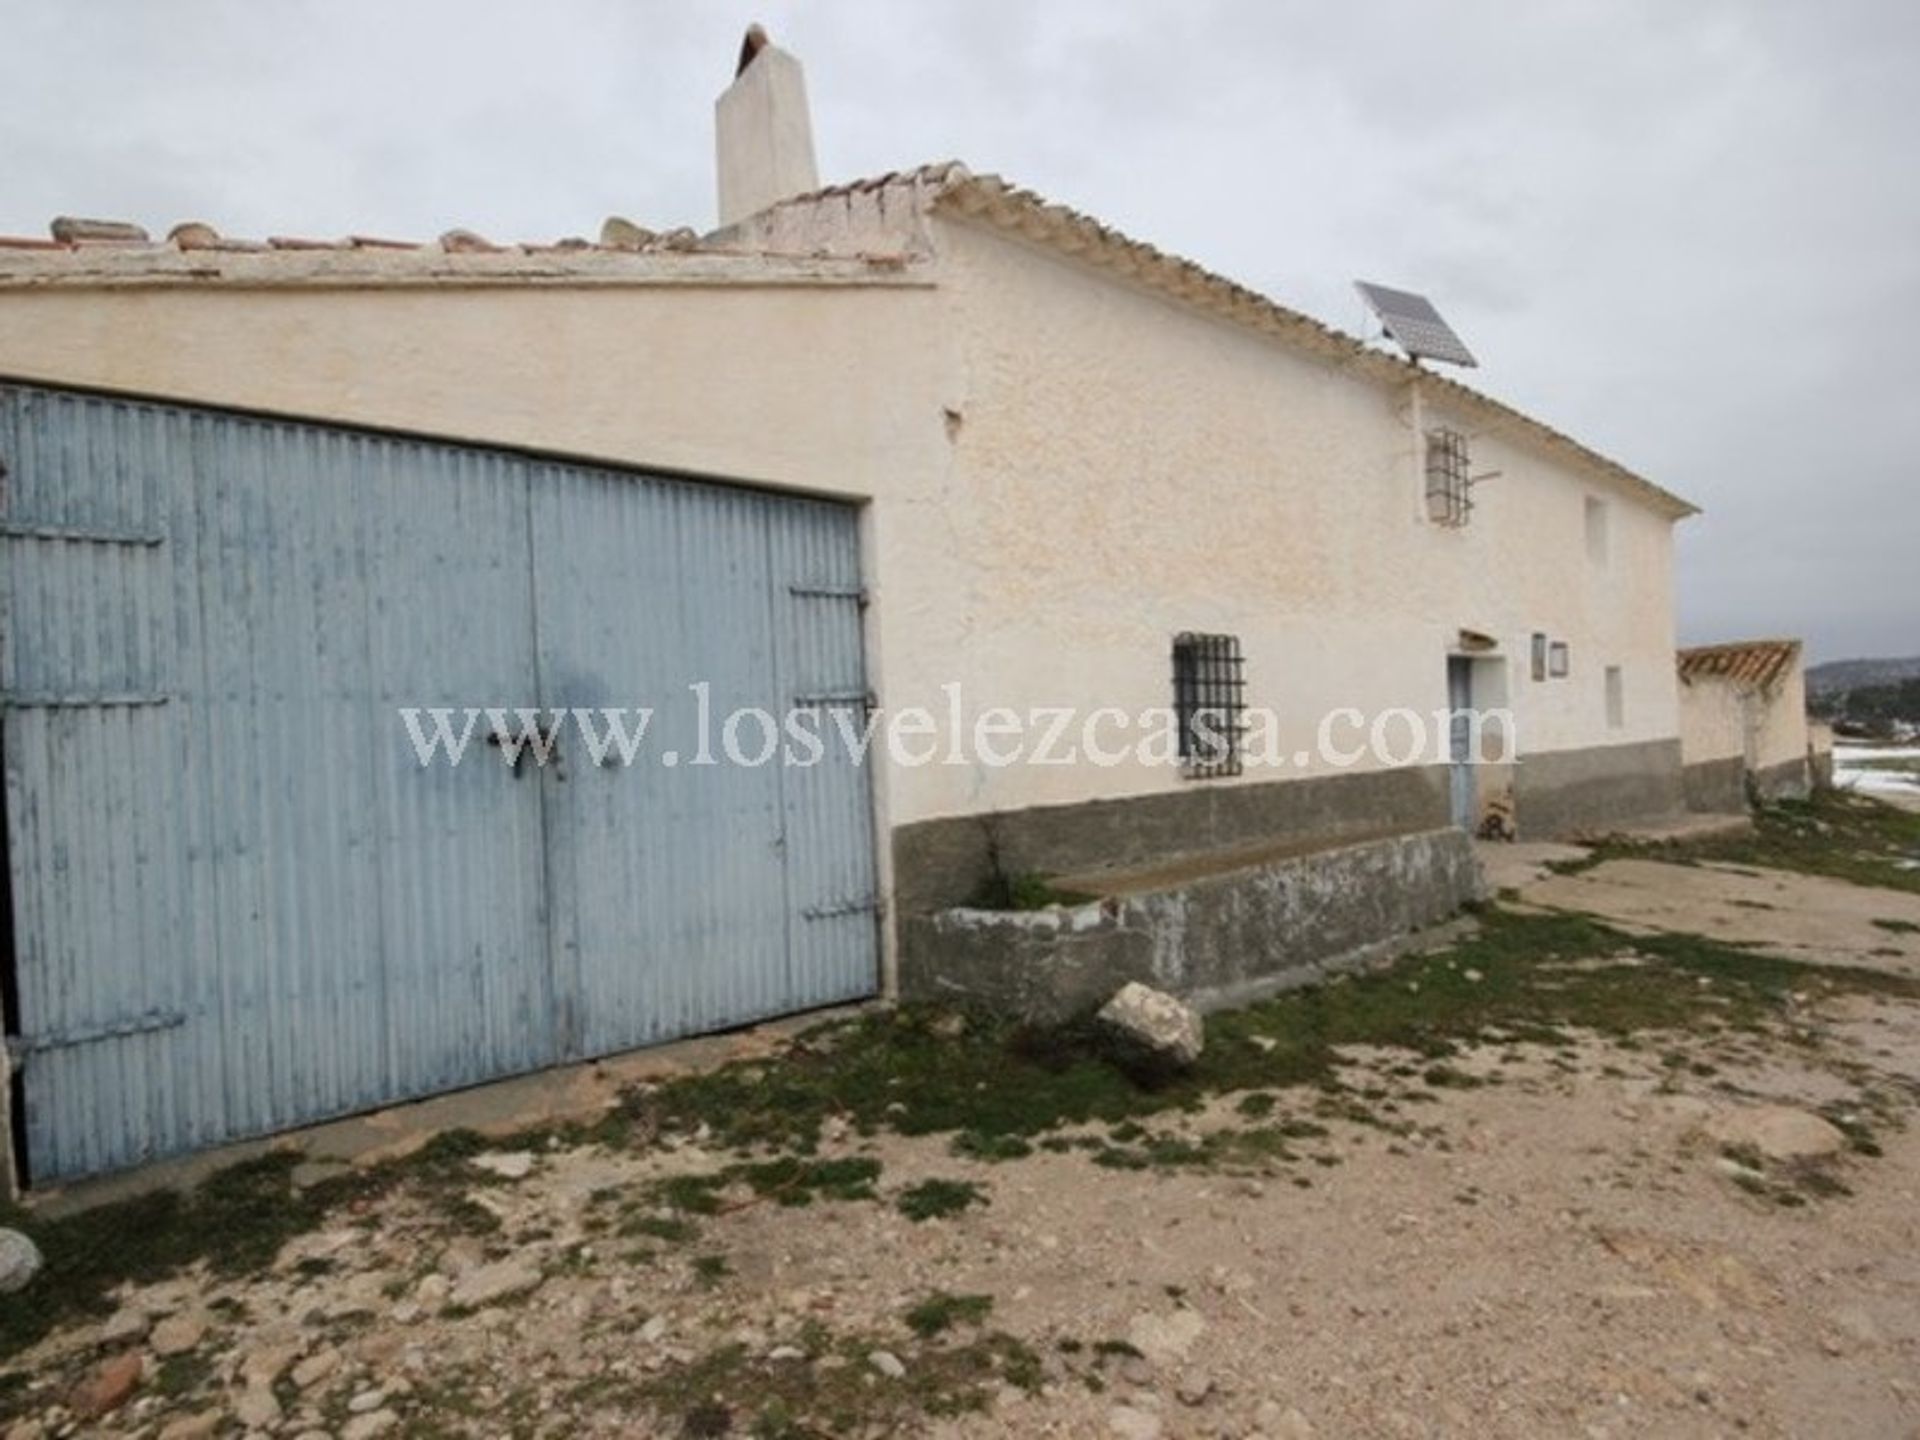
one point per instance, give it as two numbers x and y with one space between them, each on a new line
765 137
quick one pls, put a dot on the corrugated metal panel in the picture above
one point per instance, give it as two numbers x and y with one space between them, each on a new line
241 904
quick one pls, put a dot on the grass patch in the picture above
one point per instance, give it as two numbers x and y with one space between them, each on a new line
731 1391
973 1145
940 1312
659 1227
1000 1089
936 1199
1835 833
1029 891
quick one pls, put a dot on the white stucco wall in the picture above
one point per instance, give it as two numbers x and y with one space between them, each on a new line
1781 736
1125 468
1721 719
1065 470
1713 720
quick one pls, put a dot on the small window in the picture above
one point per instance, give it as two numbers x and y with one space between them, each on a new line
1448 482
1559 664
1539 656
1596 530
1616 699
1208 704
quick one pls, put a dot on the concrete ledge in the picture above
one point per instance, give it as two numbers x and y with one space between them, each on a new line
942 863
1214 938
1716 786
1560 793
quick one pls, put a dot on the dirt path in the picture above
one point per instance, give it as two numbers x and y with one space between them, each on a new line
1559 1235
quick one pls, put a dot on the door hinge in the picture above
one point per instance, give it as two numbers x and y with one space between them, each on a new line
855 593
842 697
835 909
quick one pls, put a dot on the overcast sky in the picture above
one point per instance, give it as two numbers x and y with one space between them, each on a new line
1689 233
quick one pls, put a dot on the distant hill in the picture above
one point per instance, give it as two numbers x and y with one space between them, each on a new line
1839 675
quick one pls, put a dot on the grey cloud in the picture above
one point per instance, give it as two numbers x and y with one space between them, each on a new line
1689 234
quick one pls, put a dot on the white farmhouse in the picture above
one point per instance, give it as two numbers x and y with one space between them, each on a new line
924 443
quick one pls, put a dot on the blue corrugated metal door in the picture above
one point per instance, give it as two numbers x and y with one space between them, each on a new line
240 903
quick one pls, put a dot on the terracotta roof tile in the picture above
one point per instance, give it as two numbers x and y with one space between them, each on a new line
1758 664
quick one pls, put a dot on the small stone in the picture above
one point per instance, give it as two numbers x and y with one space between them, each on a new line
786 1352
177 1334
1163 1339
1472 977
365 1427
888 1364
365 1401
315 1368
260 1368
1858 1326
508 1165
192 1427
1125 1422
620 233
432 1289
490 1284
125 1326
257 1408
1284 1424
106 1386
1195 1389
20 1261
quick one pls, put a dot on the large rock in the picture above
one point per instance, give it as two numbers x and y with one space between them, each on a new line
1777 1132
1153 1025
19 1261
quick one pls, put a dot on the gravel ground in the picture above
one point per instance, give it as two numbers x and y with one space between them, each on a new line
1580 1239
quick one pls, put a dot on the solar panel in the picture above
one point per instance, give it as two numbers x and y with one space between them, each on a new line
1414 325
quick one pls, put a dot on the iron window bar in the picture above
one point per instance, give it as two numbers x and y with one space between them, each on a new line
1449 478
1209 704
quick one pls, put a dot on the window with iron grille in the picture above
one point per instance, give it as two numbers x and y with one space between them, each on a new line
1449 501
1209 704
